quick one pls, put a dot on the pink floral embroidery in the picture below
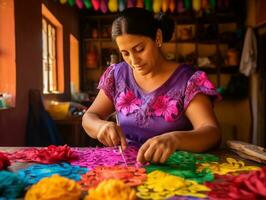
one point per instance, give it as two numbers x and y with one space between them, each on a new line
127 102
204 81
165 107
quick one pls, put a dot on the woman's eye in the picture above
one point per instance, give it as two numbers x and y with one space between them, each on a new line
124 54
139 49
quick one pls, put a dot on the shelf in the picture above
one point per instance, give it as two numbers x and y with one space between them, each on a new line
208 70
205 41
223 70
230 69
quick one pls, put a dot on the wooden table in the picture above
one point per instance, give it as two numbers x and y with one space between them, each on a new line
72 132
221 153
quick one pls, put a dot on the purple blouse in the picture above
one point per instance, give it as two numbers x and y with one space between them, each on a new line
144 115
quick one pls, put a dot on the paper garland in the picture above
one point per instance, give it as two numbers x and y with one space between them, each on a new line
180 6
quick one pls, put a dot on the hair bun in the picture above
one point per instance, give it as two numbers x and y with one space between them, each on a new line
166 24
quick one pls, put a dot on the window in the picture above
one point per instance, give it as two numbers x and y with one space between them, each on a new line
49 61
7 55
52 57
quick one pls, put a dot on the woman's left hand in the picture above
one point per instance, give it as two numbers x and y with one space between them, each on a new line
158 148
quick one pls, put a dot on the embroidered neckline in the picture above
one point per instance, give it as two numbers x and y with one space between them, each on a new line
133 81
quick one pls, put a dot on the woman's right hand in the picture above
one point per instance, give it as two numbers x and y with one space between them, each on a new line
110 134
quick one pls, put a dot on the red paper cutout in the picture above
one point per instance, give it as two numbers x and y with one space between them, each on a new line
131 176
4 161
46 155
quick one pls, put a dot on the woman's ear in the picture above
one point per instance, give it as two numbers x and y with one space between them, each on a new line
159 37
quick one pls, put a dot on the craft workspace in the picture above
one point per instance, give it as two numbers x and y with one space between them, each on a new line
132 99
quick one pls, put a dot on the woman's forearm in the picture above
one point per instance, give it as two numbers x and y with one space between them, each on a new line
91 123
197 140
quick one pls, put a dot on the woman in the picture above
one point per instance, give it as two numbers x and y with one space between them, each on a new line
162 106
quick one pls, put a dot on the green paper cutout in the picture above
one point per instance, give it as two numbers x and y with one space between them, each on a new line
184 164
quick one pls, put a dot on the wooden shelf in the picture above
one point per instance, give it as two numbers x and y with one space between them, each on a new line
223 70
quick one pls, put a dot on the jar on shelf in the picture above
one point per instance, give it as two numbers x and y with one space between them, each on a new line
92 57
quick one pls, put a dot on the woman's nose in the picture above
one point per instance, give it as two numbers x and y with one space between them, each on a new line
134 59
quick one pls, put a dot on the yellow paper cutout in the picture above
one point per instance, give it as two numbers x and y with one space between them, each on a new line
232 165
160 185
111 189
54 187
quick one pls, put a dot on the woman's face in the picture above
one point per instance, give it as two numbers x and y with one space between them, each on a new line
140 52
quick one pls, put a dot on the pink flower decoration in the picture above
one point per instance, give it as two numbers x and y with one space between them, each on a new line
127 102
203 80
165 107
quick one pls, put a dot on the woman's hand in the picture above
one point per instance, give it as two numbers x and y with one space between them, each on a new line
110 134
158 148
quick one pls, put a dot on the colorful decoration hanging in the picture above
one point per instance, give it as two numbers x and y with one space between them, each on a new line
36 172
180 6
104 6
111 189
79 3
165 5
96 4
172 5
122 5
71 2
187 4
63 1
157 4
112 5
54 187
131 3
11 185
48 155
148 5
87 4
131 176
199 6
140 4
107 156
160 185
4 161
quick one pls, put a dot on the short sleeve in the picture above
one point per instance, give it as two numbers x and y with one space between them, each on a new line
107 82
199 83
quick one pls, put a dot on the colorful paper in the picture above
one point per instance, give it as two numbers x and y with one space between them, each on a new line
131 176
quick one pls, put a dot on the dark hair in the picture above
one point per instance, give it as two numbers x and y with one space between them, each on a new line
138 21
